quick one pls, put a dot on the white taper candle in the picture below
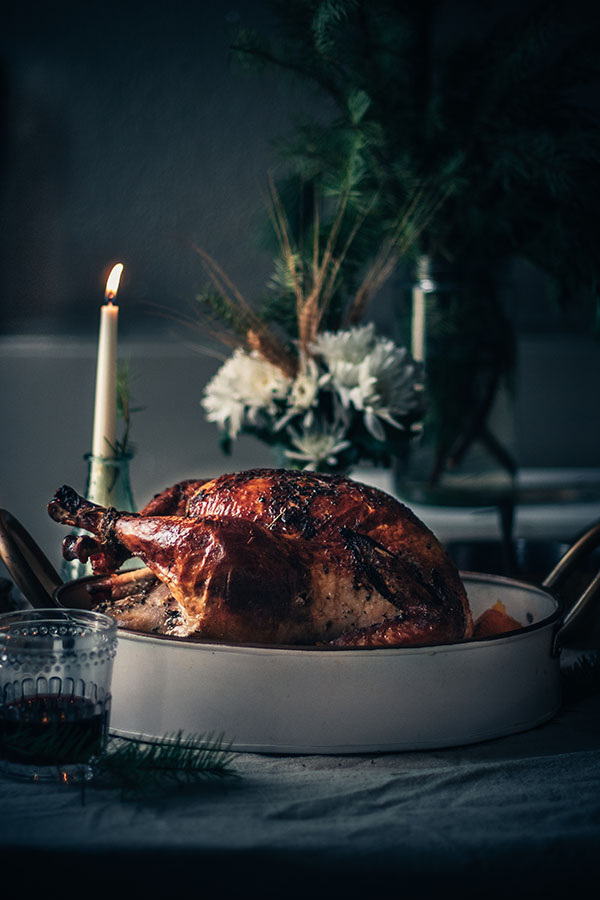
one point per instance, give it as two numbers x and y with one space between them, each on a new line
105 404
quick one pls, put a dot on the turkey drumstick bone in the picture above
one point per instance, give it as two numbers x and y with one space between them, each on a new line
69 508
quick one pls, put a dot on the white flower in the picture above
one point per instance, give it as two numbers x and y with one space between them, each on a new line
303 396
371 374
352 373
244 386
387 388
342 352
318 445
305 387
348 346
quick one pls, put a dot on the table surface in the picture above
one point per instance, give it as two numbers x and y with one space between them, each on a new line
498 815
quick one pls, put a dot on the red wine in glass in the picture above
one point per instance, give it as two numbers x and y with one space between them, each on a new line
52 730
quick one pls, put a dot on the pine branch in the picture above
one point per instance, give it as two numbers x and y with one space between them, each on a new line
492 115
140 768
262 55
328 17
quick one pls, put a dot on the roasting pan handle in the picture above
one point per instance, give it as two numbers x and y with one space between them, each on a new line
586 544
31 571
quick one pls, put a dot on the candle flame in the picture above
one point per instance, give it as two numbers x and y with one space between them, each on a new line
112 284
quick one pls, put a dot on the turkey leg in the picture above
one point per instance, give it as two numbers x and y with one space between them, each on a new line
230 578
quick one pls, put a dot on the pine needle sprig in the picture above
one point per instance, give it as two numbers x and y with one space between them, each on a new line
220 317
328 17
138 767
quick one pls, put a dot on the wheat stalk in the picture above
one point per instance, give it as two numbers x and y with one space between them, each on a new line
313 283
419 211
252 330
312 303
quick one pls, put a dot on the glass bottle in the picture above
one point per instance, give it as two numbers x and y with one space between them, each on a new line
458 331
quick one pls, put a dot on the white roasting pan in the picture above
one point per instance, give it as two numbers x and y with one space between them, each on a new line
267 699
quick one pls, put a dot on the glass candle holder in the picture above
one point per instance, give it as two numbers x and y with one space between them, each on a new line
55 692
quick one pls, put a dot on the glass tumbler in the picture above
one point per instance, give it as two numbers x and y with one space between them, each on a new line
55 679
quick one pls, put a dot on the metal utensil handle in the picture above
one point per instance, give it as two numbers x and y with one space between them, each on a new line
30 569
586 544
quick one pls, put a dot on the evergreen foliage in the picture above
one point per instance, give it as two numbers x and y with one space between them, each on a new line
501 120
139 768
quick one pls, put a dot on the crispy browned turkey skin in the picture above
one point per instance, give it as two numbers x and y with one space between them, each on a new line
280 556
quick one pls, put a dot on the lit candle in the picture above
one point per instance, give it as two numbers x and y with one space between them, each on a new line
105 405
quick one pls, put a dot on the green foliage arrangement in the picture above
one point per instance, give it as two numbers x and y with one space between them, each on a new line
476 127
500 114
304 377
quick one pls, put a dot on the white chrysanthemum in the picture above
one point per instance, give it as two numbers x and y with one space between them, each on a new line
347 346
245 385
342 353
303 396
318 445
371 374
387 387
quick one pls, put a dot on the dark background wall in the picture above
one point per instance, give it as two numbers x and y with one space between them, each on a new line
127 135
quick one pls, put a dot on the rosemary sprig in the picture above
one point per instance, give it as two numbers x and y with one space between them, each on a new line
139 767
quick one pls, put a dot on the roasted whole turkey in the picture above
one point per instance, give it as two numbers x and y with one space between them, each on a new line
271 556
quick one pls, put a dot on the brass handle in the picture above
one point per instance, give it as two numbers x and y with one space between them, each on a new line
31 571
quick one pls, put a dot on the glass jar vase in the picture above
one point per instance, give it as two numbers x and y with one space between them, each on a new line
457 329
